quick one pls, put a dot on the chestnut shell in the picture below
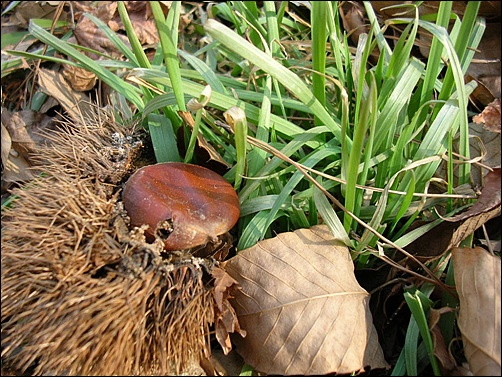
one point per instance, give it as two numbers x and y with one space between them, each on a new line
186 205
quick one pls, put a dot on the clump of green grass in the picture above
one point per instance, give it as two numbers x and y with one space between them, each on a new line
371 134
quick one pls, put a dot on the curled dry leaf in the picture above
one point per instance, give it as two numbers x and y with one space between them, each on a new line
81 80
20 140
490 116
454 230
446 360
487 201
76 104
225 318
89 35
15 167
302 308
477 278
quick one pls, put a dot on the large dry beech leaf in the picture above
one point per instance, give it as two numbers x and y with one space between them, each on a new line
302 308
477 278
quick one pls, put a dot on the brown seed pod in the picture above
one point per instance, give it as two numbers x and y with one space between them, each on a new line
185 205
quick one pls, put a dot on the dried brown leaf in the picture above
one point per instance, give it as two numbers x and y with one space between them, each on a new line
20 138
454 230
80 79
490 116
89 35
15 166
6 144
302 308
353 21
29 10
226 321
486 65
222 282
487 201
446 360
477 278
76 104
485 144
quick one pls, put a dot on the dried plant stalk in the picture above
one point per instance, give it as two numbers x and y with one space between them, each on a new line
81 295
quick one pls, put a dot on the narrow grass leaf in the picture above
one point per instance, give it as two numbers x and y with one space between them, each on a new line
379 34
418 303
318 22
257 156
410 348
293 146
399 97
258 204
272 17
434 65
236 118
128 90
218 101
133 38
405 204
206 73
291 81
368 107
310 161
252 232
113 37
161 128
168 40
330 217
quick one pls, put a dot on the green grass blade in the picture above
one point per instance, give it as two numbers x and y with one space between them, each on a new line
330 217
161 130
139 53
112 36
291 184
219 101
406 201
252 232
205 71
402 50
259 203
434 65
399 94
379 35
291 81
368 107
454 78
410 348
273 23
168 33
128 90
418 304
318 22
236 118
293 146
257 157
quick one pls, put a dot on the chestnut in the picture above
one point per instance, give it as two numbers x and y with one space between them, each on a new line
185 205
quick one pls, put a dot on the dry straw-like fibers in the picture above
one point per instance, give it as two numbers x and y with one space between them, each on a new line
81 295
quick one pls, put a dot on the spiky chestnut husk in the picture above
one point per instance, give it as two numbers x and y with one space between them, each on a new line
81 295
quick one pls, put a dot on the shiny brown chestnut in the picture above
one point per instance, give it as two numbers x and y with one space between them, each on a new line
185 205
